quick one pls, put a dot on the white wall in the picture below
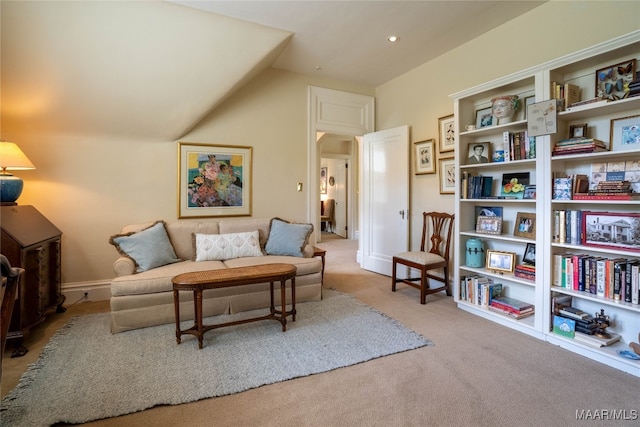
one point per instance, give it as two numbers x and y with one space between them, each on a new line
419 97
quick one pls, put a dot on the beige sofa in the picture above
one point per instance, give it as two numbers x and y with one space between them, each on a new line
142 299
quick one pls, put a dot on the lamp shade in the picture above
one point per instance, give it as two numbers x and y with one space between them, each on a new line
11 158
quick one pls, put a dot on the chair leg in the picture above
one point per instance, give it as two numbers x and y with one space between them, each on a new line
446 281
424 284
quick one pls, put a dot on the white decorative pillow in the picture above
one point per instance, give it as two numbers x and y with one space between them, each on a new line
219 247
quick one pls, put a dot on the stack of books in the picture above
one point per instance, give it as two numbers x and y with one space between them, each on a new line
578 146
525 271
610 190
634 88
511 307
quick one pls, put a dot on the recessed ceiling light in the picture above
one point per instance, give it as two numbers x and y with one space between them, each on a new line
393 38
318 68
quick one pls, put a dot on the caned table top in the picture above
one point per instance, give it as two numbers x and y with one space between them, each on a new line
227 277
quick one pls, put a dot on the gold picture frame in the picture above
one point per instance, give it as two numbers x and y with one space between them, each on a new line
447 133
525 225
424 155
214 180
447 176
501 261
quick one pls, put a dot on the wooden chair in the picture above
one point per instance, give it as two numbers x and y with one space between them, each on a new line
328 215
440 225
10 281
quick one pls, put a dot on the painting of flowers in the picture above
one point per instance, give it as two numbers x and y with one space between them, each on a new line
214 180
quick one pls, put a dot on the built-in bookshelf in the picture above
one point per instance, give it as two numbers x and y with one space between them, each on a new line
596 220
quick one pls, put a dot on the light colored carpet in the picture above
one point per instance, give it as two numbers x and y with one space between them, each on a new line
86 373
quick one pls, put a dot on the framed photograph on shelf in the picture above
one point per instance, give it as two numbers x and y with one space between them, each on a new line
578 131
525 225
514 184
425 159
484 118
478 152
612 82
501 261
614 230
495 211
625 133
529 256
489 225
529 192
447 176
446 126
214 180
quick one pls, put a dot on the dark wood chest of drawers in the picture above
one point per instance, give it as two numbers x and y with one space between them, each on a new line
32 242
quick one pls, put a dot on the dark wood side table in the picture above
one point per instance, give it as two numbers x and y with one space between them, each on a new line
31 242
321 253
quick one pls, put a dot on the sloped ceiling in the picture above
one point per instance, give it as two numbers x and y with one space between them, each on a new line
141 69
154 69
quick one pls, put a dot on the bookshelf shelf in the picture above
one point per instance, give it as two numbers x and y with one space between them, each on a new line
579 70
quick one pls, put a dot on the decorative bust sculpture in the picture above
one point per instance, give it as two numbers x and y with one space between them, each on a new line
504 107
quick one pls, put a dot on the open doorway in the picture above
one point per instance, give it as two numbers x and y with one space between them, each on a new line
338 176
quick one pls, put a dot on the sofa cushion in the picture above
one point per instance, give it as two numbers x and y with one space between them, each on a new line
286 238
219 247
158 279
148 248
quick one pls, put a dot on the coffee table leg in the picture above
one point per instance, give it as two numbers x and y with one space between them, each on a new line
176 305
283 300
293 299
198 300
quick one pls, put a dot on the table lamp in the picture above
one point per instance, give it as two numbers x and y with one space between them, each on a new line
11 158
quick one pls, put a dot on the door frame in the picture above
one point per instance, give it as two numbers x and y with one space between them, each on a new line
334 111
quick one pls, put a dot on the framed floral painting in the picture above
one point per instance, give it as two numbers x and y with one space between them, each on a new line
447 131
214 180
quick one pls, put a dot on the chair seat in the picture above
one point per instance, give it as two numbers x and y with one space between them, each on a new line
419 257
427 259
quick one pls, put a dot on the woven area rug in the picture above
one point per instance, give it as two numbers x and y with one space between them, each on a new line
132 371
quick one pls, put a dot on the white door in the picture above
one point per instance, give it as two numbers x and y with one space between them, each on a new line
385 198
341 199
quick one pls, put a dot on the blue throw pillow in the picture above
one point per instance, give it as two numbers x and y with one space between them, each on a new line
149 248
286 238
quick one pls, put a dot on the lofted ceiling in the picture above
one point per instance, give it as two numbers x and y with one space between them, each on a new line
347 40
154 69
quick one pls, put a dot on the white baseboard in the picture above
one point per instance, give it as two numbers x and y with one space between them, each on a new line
95 291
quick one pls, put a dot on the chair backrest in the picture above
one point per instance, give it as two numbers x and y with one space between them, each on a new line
438 226
329 208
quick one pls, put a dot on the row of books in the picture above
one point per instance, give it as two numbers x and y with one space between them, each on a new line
475 186
525 271
610 190
483 292
578 146
567 226
479 290
512 307
616 279
516 146
567 92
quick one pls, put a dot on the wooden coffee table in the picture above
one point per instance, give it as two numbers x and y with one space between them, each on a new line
213 279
